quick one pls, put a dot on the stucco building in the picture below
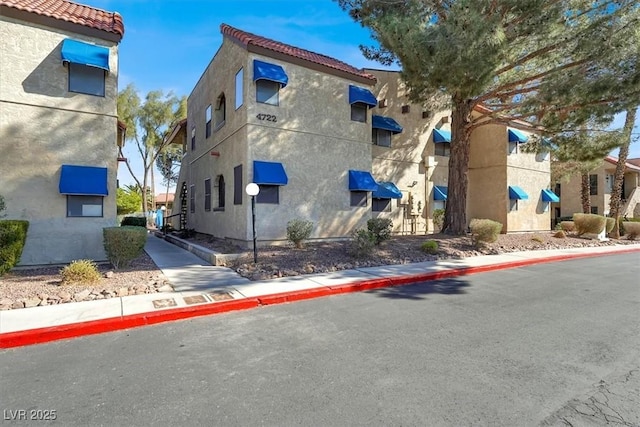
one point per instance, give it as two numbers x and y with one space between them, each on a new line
58 128
335 145
600 189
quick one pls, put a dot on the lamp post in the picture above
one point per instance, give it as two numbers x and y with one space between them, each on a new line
252 190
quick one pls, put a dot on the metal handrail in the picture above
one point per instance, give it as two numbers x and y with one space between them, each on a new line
164 221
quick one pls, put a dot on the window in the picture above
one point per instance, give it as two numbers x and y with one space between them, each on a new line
207 194
593 185
594 210
237 185
221 192
269 194
513 204
439 204
359 112
359 198
207 131
513 148
381 137
267 92
239 88
381 205
193 138
192 198
85 79
443 149
558 190
84 206
221 110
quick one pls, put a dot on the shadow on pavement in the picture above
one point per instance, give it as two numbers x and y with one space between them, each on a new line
418 291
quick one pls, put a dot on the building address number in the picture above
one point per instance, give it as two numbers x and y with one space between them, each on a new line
267 117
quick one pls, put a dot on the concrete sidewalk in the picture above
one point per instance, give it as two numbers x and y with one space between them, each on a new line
202 289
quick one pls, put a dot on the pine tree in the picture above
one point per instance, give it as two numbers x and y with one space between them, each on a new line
553 64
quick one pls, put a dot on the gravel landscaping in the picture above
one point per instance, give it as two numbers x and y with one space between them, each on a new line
42 286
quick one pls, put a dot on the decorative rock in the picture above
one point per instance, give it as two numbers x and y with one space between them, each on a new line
43 296
309 268
82 295
32 302
17 304
108 274
122 292
165 288
65 296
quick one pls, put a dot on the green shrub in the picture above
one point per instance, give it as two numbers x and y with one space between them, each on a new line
560 234
611 222
2 206
438 219
82 271
299 230
380 228
430 247
13 235
537 239
484 230
631 229
123 244
362 243
138 221
568 226
589 223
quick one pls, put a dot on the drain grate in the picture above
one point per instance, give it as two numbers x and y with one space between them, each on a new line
196 299
164 303
220 296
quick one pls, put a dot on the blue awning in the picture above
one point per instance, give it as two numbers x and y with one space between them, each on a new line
517 136
360 94
387 190
517 193
83 180
82 53
440 192
441 136
269 173
267 71
386 123
361 181
550 196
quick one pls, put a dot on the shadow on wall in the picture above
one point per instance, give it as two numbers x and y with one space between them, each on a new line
46 78
420 291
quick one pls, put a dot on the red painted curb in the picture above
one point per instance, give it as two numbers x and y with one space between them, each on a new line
74 330
54 333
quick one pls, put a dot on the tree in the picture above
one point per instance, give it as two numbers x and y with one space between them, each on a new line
551 63
168 163
147 127
616 195
128 201
2 206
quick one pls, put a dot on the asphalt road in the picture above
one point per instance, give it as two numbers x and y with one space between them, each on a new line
552 344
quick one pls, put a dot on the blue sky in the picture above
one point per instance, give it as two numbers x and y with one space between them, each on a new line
169 43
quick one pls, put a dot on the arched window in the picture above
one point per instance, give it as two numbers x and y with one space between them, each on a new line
220 111
221 191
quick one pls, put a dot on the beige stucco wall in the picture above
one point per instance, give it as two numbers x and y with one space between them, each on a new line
313 137
43 126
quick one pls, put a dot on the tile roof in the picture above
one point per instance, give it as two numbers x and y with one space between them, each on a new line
630 164
247 39
69 11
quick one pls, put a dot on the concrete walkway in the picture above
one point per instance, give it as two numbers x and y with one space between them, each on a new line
203 289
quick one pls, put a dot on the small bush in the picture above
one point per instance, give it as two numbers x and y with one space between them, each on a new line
611 222
82 271
299 230
123 244
380 228
13 235
362 243
187 233
631 229
537 239
560 234
589 223
430 247
438 219
484 230
137 221
568 226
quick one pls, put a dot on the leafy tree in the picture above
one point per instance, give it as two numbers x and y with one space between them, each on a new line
616 195
2 206
551 63
128 201
168 163
147 126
